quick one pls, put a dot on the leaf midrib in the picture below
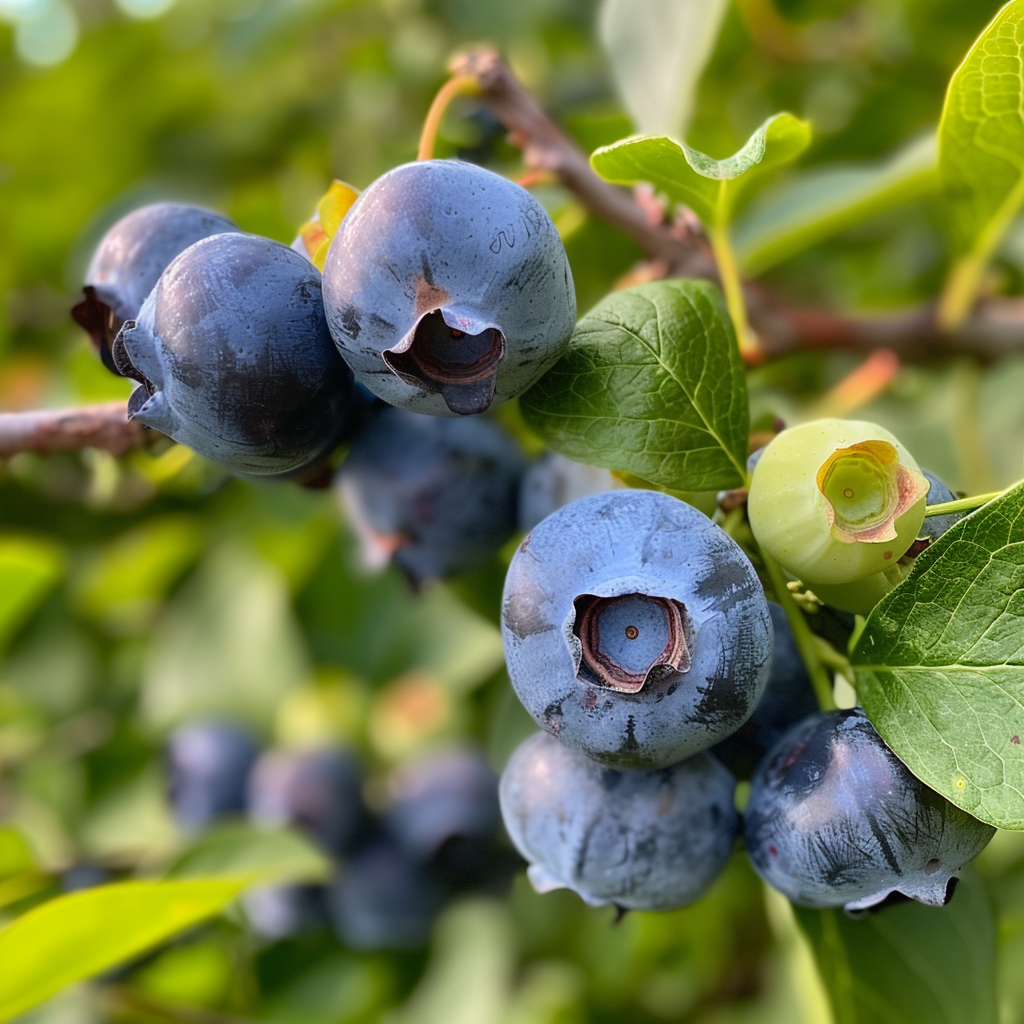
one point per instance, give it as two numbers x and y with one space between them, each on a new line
708 428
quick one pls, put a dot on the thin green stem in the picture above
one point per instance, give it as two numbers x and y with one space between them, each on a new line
728 271
962 504
806 641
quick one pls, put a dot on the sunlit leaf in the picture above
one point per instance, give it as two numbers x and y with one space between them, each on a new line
829 200
981 152
76 936
699 181
242 849
909 963
658 49
940 665
651 385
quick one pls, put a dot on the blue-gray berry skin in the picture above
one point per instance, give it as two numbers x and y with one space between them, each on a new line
129 260
635 629
384 899
447 288
788 697
435 496
835 819
207 765
235 358
552 481
938 493
278 912
641 840
441 800
317 791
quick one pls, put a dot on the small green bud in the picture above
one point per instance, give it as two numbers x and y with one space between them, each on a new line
836 501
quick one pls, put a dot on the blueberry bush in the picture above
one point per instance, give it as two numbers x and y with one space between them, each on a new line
471 549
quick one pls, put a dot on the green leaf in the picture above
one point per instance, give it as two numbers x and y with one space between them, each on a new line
28 570
910 963
829 200
688 176
76 936
240 849
652 385
981 152
658 49
939 667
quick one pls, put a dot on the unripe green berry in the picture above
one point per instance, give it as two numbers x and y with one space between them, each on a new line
836 501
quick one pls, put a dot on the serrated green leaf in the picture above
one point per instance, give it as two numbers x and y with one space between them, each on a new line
237 848
939 667
699 181
652 385
77 936
830 200
981 152
28 570
658 49
909 963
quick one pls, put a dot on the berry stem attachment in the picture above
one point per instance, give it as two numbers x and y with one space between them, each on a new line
963 504
457 85
806 642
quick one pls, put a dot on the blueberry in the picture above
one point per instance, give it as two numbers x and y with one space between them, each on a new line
552 482
435 496
788 697
642 840
316 791
836 501
236 361
129 260
285 911
445 814
835 819
938 493
447 288
384 899
635 629
208 764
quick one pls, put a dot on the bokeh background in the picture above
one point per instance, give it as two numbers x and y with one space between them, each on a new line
155 590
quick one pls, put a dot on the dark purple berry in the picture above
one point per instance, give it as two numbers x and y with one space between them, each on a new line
130 259
235 359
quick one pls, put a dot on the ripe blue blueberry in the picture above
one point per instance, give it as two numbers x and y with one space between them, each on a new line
447 288
835 819
444 814
788 697
434 496
208 765
641 840
129 260
235 359
317 791
635 629
443 799
552 482
278 912
384 899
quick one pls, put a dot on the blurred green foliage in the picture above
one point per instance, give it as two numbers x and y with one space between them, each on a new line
139 593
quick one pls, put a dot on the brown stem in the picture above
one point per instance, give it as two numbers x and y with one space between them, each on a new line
995 329
546 148
68 430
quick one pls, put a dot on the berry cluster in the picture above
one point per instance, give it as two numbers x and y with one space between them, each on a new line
637 632
438 836
638 636
445 290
